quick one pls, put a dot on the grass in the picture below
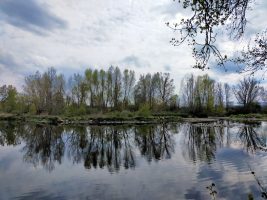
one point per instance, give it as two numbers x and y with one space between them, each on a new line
141 116
110 117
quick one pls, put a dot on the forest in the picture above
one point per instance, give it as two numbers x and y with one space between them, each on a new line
116 91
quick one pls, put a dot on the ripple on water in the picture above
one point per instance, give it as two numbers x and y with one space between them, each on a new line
145 162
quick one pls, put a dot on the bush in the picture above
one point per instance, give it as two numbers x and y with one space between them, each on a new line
32 109
144 111
126 113
74 110
121 115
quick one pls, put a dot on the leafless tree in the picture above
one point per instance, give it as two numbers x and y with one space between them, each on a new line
166 87
187 91
255 55
247 91
200 30
227 94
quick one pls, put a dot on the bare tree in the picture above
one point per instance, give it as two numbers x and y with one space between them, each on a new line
207 16
247 92
227 94
128 83
187 91
103 87
117 87
166 87
46 91
79 89
219 97
255 55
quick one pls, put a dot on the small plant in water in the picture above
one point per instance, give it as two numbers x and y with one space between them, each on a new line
250 196
212 191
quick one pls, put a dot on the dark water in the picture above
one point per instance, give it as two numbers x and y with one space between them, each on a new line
175 161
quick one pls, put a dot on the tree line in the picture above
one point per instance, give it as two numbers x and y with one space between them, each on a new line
100 91
203 95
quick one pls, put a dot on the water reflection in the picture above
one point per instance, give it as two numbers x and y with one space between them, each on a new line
101 146
116 146
250 139
43 145
187 157
9 134
202 141
94 146
154 142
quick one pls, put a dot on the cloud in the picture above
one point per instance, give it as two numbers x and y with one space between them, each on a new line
8 77
80 34
30 16
8 61
167 68
170 9
134 61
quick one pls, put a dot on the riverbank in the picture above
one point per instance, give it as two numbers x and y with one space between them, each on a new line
90 119
108 119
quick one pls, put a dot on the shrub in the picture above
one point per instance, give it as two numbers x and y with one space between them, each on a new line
144 111
32 109
74 110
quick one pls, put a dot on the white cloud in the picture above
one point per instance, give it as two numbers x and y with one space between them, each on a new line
101 33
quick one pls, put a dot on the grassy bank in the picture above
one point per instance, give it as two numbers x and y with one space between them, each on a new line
125 118
108 118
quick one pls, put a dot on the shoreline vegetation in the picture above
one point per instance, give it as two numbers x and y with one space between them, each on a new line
115 97
117 119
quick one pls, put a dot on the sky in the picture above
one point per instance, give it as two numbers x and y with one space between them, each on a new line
73 35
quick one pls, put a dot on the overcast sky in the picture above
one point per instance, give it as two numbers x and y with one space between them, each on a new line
72 35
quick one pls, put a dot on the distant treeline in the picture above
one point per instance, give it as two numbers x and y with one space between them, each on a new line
100 91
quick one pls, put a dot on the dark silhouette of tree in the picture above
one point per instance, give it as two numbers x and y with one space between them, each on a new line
200 29
101 147
9 133
200 142
44 146
251 139
154 142
255 55
247 91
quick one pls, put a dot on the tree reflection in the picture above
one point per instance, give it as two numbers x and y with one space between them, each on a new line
43 145
154 142
102 146
113 147
94 146
77 142
200 141
9 133
251 140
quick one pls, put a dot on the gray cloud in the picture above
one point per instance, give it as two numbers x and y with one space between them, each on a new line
30 16
130 34
167 68
8 61
134 61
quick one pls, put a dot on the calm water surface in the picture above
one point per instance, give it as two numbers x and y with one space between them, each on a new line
171 161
